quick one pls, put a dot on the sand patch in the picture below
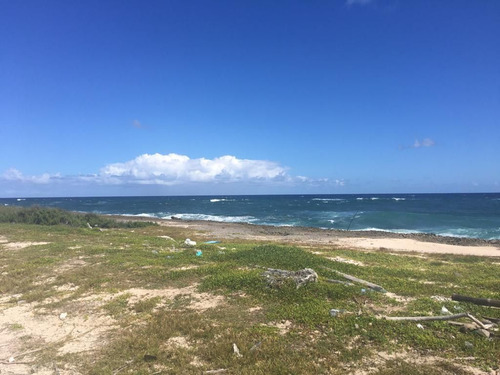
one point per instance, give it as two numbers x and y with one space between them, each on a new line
22 245
399 298
178 342
199 301
348 261
73 334
70 287
405 245
70 265
372 365
185 268
283 327
254 309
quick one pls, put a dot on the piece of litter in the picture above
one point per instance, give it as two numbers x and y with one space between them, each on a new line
363 291
189 242
444 310
255 346
199 253
11 359
236 351
212 242
420 326
63 316
150 357
336 312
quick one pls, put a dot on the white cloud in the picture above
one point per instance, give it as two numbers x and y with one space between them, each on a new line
358 2
173 169
426 142
15 175
168 173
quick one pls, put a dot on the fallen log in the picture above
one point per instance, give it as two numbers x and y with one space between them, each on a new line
477 301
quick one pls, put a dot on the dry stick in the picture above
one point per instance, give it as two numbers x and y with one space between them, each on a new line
494 320
477 321
424 318
370 285
477 301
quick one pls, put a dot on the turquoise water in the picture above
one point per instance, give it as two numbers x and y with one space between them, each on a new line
460 215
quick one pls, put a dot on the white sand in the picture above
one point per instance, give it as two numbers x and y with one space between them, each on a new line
405 244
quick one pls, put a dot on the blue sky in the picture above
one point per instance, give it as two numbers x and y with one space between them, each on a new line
249 97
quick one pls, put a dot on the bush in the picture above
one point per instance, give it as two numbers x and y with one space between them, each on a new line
55 216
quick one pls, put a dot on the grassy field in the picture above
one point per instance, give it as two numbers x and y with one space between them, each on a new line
139 301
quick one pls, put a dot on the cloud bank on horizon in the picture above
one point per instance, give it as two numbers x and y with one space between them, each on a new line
173 169
170 170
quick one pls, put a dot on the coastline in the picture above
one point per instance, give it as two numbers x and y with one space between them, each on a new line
307 236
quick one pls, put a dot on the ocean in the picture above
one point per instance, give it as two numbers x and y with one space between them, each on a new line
458 215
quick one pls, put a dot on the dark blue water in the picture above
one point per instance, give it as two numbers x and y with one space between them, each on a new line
462 215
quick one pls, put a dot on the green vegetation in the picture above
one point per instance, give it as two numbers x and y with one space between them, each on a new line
153 289
55 216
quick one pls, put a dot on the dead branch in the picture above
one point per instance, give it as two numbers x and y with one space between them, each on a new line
477 321
370 285
425 318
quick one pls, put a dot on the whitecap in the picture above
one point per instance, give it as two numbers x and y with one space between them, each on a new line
329 199
205 217
401 231
140 215
399 199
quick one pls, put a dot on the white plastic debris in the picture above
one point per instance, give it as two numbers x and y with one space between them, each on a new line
336 312
236 351
189 242
420 326
11 359
444 310
63 316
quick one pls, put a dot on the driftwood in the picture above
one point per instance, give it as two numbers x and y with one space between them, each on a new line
276 277
477 301
477 321
425 318
493 320
370 285
438 317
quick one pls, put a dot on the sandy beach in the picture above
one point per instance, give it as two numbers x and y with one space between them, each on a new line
365 240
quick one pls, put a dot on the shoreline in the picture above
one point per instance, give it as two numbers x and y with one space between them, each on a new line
308 236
